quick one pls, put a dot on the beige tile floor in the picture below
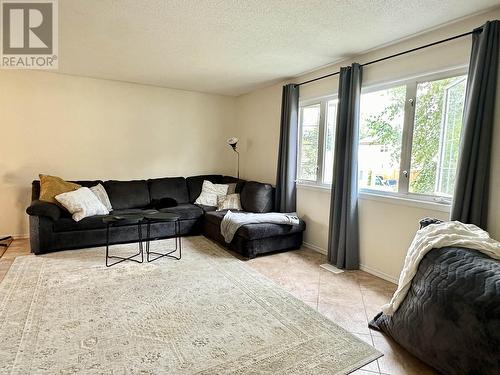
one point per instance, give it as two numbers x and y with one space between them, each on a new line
350 299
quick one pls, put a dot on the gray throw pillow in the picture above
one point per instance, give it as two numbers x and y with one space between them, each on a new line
102 195
231 188
229 202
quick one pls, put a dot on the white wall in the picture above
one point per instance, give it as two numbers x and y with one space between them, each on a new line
82 128
386 227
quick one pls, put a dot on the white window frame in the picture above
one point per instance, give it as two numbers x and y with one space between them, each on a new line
407 137
409 119
323 103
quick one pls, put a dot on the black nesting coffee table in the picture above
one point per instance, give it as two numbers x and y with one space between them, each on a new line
157 217
126 219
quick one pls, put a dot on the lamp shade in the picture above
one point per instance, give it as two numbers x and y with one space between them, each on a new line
232 141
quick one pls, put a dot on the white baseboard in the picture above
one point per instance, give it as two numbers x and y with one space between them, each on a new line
16 236
378 273
314 247
367 269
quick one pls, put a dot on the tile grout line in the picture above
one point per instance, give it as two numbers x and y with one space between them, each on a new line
319 288
367 318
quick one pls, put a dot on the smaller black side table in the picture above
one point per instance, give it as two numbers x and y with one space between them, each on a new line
156 217
127 219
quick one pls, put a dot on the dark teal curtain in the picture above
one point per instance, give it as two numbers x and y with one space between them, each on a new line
471 198
285 198
343 239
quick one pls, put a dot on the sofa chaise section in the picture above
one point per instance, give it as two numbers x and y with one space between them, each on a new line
253 239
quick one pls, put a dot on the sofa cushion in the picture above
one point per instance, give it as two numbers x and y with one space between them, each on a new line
127 211
170 187
67 224
127 194
195 183
186 211
206 208
158 204
257 197
214 217
256 231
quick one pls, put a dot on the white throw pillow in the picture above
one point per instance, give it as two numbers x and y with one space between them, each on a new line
210 192
229 202
102 195
81 203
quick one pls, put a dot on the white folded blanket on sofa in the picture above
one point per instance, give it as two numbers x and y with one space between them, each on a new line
435 236
232 221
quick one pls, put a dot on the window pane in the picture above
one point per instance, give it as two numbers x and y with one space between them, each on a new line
380 139
309 142
436 135
331 119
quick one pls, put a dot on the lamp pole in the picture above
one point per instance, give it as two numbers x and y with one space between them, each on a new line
233 142
238 157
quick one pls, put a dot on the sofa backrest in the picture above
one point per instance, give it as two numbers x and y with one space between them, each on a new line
257 197
194 184
169 187
233 180
128 194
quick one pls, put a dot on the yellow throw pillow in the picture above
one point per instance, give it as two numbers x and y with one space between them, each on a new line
50 186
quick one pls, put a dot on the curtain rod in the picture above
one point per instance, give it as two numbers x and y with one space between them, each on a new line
478 30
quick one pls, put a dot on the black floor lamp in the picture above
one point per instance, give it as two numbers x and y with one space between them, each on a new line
233 142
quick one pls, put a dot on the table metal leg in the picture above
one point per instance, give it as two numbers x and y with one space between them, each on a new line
122 259
178 244
178 237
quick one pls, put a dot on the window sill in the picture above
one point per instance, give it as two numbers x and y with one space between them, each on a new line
317 187
385 198
405 201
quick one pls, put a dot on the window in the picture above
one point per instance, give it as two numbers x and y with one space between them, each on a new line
316 141
409 137
436 136
310 116
408 140
380 137
331 117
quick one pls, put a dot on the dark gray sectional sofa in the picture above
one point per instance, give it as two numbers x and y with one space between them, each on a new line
53 229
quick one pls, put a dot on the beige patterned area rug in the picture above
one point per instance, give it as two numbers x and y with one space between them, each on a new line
209 313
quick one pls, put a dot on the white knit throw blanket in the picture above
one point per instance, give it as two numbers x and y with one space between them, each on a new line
436 236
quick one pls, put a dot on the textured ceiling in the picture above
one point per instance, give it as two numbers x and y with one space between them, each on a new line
231 47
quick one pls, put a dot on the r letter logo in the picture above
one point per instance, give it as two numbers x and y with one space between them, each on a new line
29 34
